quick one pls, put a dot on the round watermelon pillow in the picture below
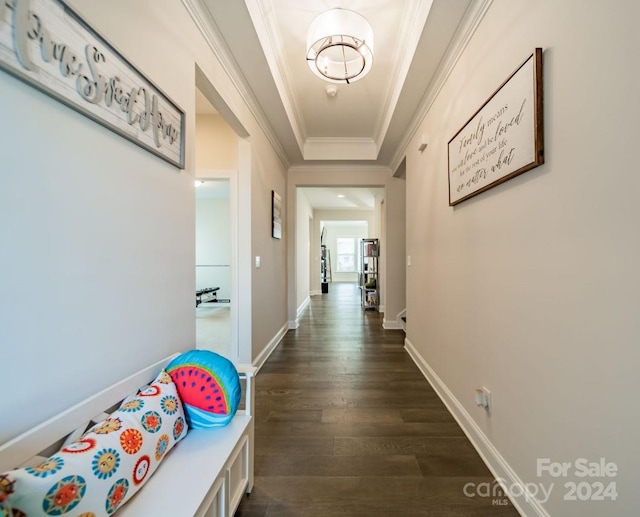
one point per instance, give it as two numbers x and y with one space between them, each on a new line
209 387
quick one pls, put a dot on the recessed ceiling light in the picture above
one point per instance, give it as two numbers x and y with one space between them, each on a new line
340 195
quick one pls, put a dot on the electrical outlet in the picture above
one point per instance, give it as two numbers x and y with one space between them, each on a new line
483 398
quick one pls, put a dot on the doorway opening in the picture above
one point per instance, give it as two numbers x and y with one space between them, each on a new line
216 193
213 266
340 251
339 217
223 152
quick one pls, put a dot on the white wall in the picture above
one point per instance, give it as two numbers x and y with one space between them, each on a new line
97 234
269 282
393 252
213 245
531 288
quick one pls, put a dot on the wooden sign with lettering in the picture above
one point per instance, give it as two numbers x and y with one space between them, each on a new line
47 45
503 139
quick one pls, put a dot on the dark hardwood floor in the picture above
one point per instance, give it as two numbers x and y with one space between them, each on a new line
346 425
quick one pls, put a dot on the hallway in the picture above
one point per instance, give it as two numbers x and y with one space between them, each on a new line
346 425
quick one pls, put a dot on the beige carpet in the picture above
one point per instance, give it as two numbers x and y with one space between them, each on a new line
213 329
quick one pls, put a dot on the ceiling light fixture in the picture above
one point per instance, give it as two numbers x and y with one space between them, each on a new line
340 46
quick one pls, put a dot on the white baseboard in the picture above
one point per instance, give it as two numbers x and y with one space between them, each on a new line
527 506
303 306
315 293
271 346
391 324
395 324
295 324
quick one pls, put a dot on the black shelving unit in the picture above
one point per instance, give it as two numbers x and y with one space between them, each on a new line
325 268
369 273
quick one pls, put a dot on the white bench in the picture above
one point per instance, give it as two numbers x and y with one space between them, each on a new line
204 475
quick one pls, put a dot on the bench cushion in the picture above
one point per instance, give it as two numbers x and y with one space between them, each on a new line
98 473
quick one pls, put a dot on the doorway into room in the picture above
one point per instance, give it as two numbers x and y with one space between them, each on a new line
223 153
213 266
216 223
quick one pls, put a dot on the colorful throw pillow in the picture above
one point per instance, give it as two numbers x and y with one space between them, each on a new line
209 387
98 473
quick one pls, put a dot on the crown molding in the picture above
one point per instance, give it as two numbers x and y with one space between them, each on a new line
346 168
210 32
412 25
472 19
268 33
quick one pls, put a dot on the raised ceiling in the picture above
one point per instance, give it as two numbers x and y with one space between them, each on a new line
368 123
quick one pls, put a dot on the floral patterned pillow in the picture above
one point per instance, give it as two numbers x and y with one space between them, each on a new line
98 473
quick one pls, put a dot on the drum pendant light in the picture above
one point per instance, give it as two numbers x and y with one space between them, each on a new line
340 46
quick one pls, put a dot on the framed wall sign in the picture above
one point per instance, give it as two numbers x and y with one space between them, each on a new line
503 139
49 46
276 215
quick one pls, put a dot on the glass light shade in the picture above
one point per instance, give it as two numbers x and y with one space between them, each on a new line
340 46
